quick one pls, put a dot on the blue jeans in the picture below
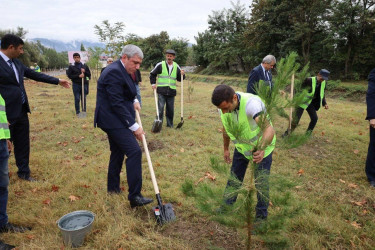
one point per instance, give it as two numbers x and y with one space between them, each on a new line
77 92
261 174
4 181
138 94
169 110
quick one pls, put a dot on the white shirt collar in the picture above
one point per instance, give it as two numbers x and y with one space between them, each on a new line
4 56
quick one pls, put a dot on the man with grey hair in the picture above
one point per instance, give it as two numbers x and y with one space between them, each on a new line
115 114
261 72
109 61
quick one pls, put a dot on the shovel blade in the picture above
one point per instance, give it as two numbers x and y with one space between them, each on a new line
82 115
164 214
156 126
181 123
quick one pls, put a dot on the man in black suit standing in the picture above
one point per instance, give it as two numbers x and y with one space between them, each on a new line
115 114
13 91
370 100
261 72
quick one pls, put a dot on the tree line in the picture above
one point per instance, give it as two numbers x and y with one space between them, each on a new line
46 58
333 34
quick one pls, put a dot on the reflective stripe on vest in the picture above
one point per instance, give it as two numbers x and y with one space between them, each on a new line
243 131
310 96
4 127
165 79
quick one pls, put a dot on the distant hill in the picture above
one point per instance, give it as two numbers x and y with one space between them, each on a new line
66 46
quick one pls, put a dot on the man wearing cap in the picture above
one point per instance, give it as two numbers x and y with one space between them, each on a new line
314 99
168 73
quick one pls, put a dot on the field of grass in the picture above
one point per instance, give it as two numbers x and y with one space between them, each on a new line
319 193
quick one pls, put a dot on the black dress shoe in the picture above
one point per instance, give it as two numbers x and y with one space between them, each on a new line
5 246
31 179
139 200
9 227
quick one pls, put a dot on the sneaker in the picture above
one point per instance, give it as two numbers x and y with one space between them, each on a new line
12 228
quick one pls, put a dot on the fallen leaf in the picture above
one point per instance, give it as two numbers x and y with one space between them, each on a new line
342 181
360 133
190 117
78 157
352 185
220 130
47 202
55 188
270 204
300 172
356 225
157 164
323 133
86 186
182 150
73 198
359 203
34 190
65 143
298 187
30 236
365 211
356 151
209 176
84 126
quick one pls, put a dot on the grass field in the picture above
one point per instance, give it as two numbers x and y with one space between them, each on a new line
319 192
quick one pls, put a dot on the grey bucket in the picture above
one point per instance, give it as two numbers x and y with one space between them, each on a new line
74 226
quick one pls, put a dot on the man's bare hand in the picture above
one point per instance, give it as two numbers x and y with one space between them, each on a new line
258 156
137 106
138 133
64 83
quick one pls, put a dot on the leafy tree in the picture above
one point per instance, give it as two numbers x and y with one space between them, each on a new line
112 36
153 48
94 61
181 47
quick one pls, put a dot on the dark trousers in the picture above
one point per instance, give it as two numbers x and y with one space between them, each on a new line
261 174
370 162
77 92
298 114
20 136
123 142
169 110
4 181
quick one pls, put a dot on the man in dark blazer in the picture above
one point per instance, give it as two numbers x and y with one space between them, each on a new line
12 89
115 114
261 72
370 100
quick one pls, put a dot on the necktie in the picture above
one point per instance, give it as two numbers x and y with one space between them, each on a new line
22 94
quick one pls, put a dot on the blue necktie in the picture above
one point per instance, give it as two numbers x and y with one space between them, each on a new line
22 94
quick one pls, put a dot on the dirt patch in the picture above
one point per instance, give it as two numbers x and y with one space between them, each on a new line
203 234
154 145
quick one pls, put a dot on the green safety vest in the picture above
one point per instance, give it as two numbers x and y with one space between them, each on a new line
244 131
4 127
165 79
310 95
37 69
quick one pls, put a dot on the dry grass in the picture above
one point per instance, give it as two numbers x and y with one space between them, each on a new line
70 154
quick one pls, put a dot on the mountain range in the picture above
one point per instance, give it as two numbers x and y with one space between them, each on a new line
60 46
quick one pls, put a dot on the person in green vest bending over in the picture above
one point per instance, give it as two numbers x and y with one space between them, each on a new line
314 99
248 126
168 73
36 68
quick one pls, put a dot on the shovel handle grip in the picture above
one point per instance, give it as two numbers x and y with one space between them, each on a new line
154 183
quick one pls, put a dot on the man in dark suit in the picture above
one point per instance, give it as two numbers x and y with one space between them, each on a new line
13 91
261 72
370 100
115 114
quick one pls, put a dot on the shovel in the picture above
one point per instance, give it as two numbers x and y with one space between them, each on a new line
157 125
182 103
83 114
163 213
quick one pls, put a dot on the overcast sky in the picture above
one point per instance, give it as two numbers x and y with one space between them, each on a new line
74 20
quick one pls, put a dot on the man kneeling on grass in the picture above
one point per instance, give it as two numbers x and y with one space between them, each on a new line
246 123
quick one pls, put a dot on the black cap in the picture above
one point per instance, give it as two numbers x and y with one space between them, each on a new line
324 73
170 51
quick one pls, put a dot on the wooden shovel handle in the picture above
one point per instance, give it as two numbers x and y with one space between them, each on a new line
154 183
